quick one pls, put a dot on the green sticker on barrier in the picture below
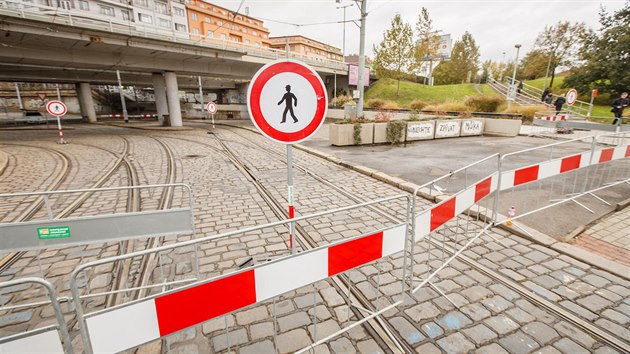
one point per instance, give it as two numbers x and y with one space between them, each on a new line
45 233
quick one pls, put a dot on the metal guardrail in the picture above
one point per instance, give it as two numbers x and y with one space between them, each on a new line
75 18
579 107
52 232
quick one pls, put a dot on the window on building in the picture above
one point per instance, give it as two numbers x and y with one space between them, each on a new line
194 16
160 7
125 15
179 12
244 30
106 10
84 5
214 9
219 23
247 41
207 19
180 28
165 23
202 6
144 3
210 34
254 33
145 18
223 36
195 30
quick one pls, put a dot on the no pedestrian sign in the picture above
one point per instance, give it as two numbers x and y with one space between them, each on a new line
572 96
56 108
287 101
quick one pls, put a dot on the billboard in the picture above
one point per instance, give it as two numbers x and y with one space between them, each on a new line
446 45
353 75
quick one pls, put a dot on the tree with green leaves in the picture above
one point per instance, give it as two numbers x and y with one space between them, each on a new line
533 65
559 44
463 65
428 43
606 56
393 57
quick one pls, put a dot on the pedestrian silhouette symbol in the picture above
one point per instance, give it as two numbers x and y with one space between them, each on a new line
57 108
291 100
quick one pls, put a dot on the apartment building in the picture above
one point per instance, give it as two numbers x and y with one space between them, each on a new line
308 47
209 21
166 17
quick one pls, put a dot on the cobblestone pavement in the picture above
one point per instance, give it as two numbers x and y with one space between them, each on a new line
491 318
609 237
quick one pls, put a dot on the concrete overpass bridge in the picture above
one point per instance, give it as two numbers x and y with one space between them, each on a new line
38 47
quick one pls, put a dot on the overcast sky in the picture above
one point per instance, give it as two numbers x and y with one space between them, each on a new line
496 25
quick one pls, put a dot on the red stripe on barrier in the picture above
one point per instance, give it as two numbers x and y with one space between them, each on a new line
198 304
442 213
628 151
570 163
354 253
482 189
606 155
525 175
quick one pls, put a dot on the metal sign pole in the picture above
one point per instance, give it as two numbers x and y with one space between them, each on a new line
58 93
203 114
60 130
212 119
290 199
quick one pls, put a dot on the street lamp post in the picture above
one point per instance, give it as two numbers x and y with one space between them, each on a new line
343 51
512 90
547 72
361 79
502 67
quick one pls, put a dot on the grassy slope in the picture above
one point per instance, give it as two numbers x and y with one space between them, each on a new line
409 91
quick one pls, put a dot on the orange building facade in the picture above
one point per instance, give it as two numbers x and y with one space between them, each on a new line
307 47
210 22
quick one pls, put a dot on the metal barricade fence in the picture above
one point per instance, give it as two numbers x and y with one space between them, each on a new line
166 312
52 226
47 339
583 164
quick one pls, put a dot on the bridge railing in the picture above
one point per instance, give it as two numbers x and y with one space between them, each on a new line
84 19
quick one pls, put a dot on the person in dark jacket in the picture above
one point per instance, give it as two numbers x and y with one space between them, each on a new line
519 88
549 98
560 101
618 105
543 97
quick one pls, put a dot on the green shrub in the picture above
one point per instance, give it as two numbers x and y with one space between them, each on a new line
413 116
356 134
394 131
484 103
377 103
382 117
339 101
418 105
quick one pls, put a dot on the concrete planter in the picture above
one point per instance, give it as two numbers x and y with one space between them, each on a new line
502 127
423 130
343 134
447 128
380 133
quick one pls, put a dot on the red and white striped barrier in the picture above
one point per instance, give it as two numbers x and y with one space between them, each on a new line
430 219
145 321
555 167
553 118
117 115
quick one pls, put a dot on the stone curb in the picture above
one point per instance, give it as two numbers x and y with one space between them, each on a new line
622 205
534 235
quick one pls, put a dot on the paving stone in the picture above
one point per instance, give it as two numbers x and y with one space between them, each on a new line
454 320
476 311
15 318
496 304
369 347
542 291
547 350
567 346
406 330
342 346
252 315
594 302
455 343
566 292
579 310
293 340
608 295
618 330
217 324
541 332
101 281
480 334
428 348
555 264
261 330
432 330
423 311
185 349
182 336
323 329
493 348
518 343
616 316
546 281
577 335
264 347
183 268
331 296
504 291
295 320
596 281
476 293
501 324
237 337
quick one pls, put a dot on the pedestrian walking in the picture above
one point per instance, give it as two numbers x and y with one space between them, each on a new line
618 105
560 101
549 98
543 97
520 86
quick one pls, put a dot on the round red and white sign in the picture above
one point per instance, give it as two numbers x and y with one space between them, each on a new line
56 108
287 101
212 107
572 96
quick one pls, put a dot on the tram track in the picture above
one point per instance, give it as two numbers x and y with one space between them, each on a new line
603 335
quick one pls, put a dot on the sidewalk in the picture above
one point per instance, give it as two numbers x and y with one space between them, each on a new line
609 237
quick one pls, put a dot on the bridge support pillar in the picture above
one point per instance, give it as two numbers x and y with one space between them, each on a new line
161 103
86 102
173 99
